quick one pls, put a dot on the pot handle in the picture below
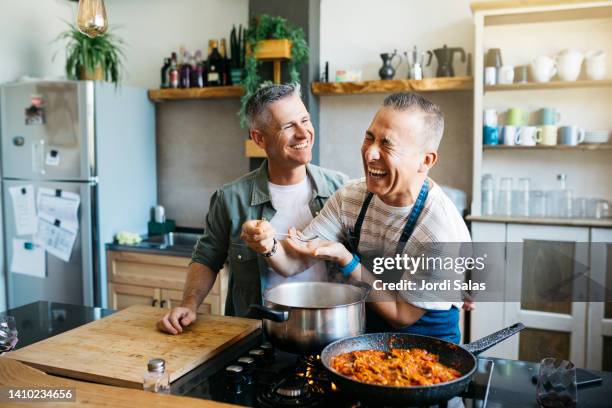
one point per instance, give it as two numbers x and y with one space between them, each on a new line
478 346
264 312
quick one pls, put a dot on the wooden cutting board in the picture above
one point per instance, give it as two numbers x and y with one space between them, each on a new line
115 350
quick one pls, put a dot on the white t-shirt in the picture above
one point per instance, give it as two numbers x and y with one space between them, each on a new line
292 210
439 222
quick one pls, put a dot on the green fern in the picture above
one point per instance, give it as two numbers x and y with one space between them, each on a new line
267 27
82 51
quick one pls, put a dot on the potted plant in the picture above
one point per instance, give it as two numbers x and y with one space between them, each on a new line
261 29
99 58
238 53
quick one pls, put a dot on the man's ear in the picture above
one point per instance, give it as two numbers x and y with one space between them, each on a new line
429 160
258 138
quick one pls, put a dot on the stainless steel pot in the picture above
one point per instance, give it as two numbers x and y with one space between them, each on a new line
304 317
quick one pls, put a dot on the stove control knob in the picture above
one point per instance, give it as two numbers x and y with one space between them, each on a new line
248 363
268 351
258 356
235 378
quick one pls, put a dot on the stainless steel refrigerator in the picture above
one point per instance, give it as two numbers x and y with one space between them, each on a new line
88 138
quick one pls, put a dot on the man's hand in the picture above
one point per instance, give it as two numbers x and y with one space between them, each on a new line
258 235
319 249
174 321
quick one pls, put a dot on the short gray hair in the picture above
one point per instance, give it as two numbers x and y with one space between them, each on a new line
433 119
256 107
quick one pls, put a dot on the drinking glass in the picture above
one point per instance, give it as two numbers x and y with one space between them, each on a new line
488 195
520 198
504 201
537 204
557 383
580 207
565 203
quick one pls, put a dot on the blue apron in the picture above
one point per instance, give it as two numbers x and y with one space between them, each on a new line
443 324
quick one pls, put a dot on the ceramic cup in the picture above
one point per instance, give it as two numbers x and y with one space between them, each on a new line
529 136
549 116
571 135
505 75
569 63
595 65
510 134
515 116
490 75
543 68
490 117
490 135
520 74
548 135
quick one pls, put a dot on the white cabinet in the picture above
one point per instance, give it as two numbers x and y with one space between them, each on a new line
599 337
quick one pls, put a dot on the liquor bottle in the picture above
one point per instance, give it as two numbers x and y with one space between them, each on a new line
214 65
224 70
165 80
173 73
186 71
197 81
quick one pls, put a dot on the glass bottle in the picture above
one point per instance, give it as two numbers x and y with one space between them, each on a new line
565 197
520 198
196 70
186 71
156 379
213 77
504 200
173 73
224 70
165 70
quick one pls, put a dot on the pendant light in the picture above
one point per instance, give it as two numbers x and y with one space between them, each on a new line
91 18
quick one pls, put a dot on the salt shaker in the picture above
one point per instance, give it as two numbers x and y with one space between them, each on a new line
156 379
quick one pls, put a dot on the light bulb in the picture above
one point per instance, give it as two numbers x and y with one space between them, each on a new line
91 18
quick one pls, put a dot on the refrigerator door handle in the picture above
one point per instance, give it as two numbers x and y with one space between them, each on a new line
38 157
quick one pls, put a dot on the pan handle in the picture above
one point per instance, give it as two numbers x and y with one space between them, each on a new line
264 312
478 346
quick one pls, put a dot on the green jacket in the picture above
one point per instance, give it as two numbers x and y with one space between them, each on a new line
248 198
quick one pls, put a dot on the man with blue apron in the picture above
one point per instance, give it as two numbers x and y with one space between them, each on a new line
443 324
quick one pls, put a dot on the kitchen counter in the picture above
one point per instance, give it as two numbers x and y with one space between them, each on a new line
179 243
571 222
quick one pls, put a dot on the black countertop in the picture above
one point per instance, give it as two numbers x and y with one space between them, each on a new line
511 384
144 247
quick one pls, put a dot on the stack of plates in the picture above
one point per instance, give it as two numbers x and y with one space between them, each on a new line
597 136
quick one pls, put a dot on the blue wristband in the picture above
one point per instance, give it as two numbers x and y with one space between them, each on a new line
350 267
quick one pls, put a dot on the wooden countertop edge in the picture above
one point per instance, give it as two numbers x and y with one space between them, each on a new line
595 223
14 374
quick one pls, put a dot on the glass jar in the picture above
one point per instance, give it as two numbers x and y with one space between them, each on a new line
156 379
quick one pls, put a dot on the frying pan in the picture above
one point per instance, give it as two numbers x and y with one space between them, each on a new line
461 358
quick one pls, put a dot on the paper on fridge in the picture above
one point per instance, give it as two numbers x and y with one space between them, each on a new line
24 209
59 205
56 236
28 258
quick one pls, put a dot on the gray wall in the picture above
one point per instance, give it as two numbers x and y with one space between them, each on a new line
200 146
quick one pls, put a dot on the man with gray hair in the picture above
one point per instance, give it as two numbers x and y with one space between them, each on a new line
394 210
286 191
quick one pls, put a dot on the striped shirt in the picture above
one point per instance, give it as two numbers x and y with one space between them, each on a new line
439 222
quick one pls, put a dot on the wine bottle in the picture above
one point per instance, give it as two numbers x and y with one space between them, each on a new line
214 65
165 79
173 73
223 72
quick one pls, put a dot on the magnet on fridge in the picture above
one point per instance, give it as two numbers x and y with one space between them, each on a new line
23 190
52 158
58 192
28 245
57 223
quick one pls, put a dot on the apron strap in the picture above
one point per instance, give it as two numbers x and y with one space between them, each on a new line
357 230
416 211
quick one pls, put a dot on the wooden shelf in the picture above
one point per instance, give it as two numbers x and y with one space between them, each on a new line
550 85
590 146
252 150
540 11
576 222
393 85
211 92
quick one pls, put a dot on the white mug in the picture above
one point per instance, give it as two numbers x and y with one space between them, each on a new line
505 75
490 117
529 136
511 135
595 65
543 68
490 75
569 63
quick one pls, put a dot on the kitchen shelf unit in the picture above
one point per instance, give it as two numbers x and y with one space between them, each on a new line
567 148
393 85
583 83
210 92
521 28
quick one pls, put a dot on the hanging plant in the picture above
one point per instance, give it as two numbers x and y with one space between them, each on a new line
266 27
